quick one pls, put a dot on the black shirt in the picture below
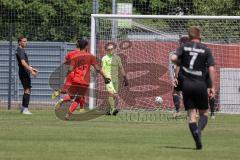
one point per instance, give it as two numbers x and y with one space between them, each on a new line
21 55
195 59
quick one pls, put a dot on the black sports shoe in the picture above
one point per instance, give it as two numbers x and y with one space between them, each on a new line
115 112
108 113
198 146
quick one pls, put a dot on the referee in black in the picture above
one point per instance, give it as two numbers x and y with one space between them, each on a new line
196 59
24 73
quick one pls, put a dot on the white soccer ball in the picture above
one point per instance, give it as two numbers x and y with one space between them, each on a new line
158 100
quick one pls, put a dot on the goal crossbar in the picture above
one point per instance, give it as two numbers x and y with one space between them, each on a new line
164 17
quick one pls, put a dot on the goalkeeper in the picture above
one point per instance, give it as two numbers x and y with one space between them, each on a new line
111 63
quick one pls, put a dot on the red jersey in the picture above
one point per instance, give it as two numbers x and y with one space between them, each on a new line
81 64
71 55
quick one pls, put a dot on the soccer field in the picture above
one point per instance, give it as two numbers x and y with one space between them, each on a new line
42 136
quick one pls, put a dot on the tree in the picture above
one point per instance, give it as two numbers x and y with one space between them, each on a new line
193 7
46 20
66 20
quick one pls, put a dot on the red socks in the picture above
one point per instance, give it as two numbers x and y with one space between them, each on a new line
82 103
74 105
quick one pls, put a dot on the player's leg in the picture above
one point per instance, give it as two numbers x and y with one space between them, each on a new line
72 108
201 102
67 97
190 105
203 119
80 91
26 83
116 87
202 122
193 126
114 109
177 101
72 91
112 102
82 101
74 105
110 89
112 92
84 91
25 101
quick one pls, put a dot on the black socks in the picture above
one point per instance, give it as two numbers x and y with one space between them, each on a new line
196 135
202 122
25 100
176 100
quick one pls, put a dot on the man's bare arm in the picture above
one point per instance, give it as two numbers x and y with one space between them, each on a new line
97 68
177 70
211 70
33 71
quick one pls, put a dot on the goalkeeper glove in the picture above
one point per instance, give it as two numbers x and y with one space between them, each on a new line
107 80
125 81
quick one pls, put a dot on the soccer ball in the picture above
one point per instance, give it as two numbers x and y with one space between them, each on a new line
158 100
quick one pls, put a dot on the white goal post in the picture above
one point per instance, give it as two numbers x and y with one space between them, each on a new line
153 36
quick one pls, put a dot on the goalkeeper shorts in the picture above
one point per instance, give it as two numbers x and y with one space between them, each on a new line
112 87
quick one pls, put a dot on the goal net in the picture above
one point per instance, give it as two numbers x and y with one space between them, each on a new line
144 42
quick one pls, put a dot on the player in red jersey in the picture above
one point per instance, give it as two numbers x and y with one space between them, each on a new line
80 66
68 80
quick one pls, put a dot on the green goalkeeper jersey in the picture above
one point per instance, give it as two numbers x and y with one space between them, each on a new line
111 64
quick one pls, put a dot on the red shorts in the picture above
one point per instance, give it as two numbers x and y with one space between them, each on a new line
78 89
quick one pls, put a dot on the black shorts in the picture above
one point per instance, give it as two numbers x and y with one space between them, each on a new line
195 94
25 80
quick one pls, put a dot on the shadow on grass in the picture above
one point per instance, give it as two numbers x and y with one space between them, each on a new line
88 115
177 147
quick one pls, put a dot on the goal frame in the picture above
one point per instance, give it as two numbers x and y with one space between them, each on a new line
94 17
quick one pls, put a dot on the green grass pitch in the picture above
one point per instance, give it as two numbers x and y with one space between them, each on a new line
42 136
